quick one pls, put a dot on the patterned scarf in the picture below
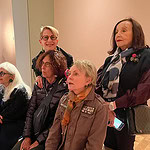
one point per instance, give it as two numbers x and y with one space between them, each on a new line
110 79
72 102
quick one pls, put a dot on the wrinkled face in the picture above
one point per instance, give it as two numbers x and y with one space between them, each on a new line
124 35
48 40
47 70
77 80
5 76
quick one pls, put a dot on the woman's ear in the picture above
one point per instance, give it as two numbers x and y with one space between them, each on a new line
88 81
40 42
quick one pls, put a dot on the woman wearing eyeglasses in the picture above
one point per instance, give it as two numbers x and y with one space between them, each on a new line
13 106
53 65
48 41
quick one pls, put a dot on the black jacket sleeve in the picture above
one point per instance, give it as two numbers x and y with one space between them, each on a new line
69 58
34 60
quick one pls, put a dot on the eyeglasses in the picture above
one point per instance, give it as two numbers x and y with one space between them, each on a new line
46 64
46 37
3 73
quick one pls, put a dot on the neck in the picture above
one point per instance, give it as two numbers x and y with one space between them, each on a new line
51 80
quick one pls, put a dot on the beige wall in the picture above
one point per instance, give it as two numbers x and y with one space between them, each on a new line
86 26
7 43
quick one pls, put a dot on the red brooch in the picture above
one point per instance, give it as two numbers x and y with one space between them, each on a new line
135 58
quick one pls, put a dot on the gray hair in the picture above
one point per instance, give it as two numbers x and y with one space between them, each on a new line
89 68
52 29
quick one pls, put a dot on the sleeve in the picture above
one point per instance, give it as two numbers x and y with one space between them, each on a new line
98 89
98 130
137 96
34 60
16 107
28 129
54 137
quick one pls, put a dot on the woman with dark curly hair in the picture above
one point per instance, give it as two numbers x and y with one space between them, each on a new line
52 65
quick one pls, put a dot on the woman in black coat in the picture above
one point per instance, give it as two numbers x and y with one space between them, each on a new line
53 65
13 106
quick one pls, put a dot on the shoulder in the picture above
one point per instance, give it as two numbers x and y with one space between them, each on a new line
67 55
100 102
19 91
61 84
95 100
144 59
36 57
144 52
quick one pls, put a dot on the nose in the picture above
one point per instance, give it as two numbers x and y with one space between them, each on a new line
43 66
49 39
69 77
118 33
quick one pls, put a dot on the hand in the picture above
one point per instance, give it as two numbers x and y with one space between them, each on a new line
39 81
25 145
35 144
111 119
1 118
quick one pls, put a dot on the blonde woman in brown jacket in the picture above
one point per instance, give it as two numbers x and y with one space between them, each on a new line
81 119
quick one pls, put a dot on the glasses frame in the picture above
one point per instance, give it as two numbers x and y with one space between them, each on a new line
46 64
2 73
46 37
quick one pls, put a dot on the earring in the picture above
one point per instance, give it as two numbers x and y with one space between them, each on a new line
11 80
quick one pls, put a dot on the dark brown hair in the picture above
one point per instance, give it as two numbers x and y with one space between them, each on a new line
138 41
58 62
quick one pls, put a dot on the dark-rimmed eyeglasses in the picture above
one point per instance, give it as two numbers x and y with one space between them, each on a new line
3 73
46 64
46 37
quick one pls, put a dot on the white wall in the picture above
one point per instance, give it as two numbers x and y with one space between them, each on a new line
20 18
29 16
41 13
86 26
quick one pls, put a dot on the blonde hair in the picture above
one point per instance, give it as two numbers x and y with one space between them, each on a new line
89 68
17 81
52 29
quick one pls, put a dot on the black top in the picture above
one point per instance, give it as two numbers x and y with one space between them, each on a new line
14 113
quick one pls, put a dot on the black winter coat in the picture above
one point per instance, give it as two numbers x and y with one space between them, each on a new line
13 112
38 95
69 59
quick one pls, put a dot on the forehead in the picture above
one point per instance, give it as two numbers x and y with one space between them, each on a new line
46 59
124 24
2 69
77 69
47 32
